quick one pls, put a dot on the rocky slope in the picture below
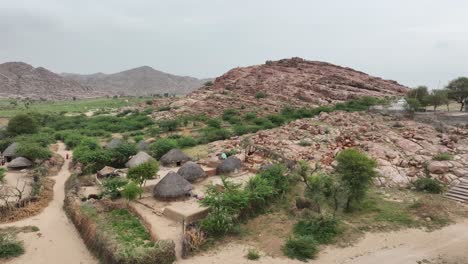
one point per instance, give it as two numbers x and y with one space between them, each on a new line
404 149
295 82
21 80
139 81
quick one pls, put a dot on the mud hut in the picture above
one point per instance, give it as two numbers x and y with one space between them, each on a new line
143 145
172 186
114 143
20 163
191 171
175 157
229 165
10 153
140 158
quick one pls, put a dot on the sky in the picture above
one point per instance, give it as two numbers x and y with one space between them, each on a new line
415 42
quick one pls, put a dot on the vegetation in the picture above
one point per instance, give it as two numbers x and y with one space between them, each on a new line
252 254
2 174
33 151
162 146
131 191
458 91
260 95
428 185
143 172
322 228
113 187
443 156
22 124
301 247
9 246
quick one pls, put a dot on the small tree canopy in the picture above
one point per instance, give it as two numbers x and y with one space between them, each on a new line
143 172
458 90
22 124
418 93
437 98
131 191
33 151
356 172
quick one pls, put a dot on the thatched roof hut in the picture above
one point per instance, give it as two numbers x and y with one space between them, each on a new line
106 172
174 157
172 186
20 163
114 143
229 165
11 150
191 171
140 158
143 145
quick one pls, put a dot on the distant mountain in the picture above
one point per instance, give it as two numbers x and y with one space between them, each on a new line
21 80
138 81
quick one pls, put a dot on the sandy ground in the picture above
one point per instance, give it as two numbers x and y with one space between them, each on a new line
447 245
57 242
17 179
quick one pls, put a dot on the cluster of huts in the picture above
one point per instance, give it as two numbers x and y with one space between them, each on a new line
12 160
174 184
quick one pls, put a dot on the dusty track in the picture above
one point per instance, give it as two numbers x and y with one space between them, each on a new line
57 242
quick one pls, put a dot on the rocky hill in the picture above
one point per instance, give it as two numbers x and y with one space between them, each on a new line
139 81
294 82
21 80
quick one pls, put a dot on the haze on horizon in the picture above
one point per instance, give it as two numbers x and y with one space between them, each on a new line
419 42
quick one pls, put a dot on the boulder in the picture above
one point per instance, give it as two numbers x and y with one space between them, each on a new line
438 167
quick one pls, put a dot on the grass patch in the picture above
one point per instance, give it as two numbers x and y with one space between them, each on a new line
9 246
443 156
301 247
253 254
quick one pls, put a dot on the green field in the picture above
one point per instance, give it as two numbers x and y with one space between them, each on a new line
9 108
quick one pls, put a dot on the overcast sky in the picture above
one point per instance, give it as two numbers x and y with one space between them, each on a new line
411 41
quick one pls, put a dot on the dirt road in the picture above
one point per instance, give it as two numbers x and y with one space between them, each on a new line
57 242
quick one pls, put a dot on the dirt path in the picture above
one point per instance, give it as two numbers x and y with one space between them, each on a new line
447 245
57 242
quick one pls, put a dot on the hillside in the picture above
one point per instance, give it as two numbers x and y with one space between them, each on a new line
293 82
21 80
138 81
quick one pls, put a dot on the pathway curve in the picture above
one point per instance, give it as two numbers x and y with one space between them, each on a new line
58 241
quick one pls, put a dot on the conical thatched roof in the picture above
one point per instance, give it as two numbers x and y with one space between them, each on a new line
11 150
174 156
114 143
140 158
106 171
172 186
191 171
229 165
143 145
20 162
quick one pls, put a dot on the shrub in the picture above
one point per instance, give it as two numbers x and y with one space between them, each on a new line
185 142
250 116
356 172
22 124
143 172
113 187
322 228
305 143
162 146
210 135
278 120
260 95
259 191
169 125
443 156
208 83
92 159
131 191
428 185
301 248
33 151
275 175
9 247
215 123
229 113
252 254
121 153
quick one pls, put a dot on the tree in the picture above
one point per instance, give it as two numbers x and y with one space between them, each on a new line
131 191
412 104
143 172
458 90
33 151
22 124
356 172
437 98
418 93
162 146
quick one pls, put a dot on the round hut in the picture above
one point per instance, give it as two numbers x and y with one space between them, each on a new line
172 186
229 165
140 158
175 157
114 143
143 145
10 153
191 171
20 163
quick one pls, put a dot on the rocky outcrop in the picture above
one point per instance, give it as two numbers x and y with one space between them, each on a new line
293 82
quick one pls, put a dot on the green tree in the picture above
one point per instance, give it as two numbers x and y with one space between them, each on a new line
33 151
143 172
131 191
162 146
356 172
458 90
437 98
22 124
412 104
418 93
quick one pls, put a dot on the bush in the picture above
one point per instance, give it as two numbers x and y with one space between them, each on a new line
305 143
260 95
33 151
121 153
93 159
210 135
169 125
229 113
252 254
214 123
275 176
428 185
113 187
143 172
22 124
162 146
443 156
322 228
131 191
9 247
185 142
301 248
